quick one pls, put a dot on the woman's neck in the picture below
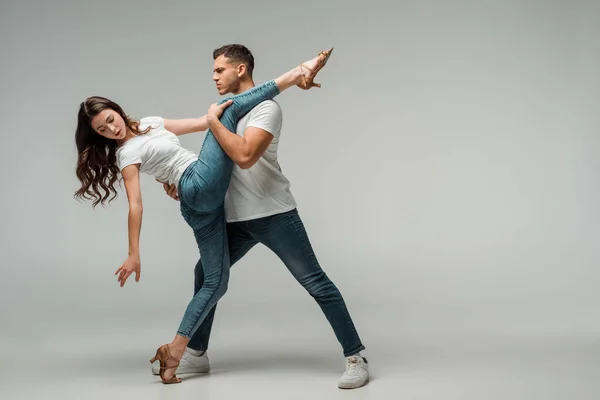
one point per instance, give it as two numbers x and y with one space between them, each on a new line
128 136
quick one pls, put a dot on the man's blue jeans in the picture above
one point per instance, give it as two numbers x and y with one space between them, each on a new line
286 236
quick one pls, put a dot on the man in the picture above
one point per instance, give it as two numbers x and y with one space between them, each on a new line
261 209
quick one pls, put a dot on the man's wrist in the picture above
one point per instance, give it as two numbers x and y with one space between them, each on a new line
213 123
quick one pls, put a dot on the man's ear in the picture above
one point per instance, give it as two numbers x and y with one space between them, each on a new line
241 69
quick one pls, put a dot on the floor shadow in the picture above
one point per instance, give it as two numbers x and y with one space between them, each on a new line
111 363
277 362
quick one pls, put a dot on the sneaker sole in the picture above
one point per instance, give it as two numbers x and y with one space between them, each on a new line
352 385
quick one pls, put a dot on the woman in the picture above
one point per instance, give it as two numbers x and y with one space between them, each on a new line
109 142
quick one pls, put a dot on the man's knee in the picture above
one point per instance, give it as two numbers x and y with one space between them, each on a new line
320 286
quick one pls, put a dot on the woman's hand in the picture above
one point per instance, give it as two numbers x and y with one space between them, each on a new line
216 110
131 265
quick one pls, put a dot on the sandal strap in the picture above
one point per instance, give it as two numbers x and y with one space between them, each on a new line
173 366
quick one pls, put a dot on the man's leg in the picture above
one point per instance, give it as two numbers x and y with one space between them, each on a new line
286 236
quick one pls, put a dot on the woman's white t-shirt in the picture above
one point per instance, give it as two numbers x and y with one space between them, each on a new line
158 151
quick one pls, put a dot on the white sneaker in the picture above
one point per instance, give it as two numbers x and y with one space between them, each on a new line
357 373
189 364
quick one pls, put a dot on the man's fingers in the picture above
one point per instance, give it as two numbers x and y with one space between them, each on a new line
172 191
226 104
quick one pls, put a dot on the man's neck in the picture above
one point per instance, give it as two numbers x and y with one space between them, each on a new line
245 85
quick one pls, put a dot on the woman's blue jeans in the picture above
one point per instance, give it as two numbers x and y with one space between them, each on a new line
202 189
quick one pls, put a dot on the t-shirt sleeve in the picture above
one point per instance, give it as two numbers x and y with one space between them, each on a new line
126 158
268 116
153 122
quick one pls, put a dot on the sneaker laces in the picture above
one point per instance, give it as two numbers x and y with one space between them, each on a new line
352 364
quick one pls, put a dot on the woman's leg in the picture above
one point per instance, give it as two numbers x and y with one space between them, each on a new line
213 245
240 242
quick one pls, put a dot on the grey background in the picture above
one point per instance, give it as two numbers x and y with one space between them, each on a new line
447 174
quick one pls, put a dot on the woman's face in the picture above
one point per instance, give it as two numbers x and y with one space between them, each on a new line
109 124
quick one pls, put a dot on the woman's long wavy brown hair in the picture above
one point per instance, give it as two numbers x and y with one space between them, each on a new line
97 161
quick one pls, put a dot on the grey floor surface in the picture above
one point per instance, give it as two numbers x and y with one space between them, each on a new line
297 358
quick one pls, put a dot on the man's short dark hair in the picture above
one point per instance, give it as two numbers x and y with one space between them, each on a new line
238 54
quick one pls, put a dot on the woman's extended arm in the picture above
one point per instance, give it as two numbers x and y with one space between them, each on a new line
186 125
131 178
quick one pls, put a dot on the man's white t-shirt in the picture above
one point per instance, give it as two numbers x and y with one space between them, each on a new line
261 190
159 152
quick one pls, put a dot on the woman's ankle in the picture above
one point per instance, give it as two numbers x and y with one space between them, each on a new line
289 79
179 345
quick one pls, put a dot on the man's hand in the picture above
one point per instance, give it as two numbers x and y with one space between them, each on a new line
171 190
216 110
131 265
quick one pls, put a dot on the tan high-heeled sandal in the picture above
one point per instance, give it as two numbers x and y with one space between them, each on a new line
163 354
307 81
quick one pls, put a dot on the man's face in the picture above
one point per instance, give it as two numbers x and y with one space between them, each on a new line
226 75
